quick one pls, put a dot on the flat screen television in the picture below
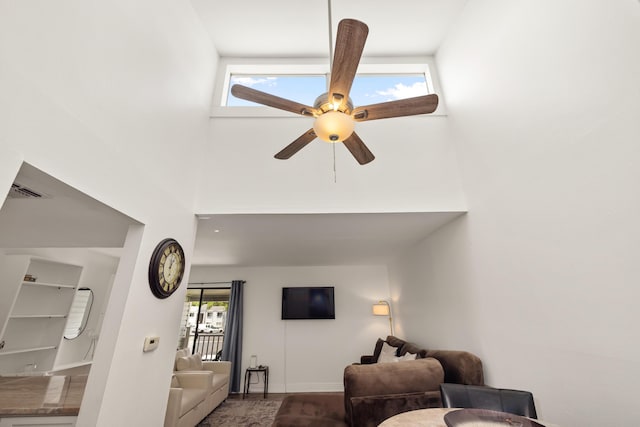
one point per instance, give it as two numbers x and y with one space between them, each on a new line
308 303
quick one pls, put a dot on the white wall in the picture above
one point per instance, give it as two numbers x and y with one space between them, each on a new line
306 355
113 99
424 178
540 277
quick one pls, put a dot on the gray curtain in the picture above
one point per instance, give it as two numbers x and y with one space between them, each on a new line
232 345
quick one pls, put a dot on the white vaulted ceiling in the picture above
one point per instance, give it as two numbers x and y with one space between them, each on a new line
291 28
300 29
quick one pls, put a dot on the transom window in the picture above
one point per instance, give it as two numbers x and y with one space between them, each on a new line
366 89
303 82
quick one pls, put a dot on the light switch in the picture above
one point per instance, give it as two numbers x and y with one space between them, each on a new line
150 343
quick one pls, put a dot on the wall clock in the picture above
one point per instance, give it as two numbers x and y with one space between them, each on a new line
166 268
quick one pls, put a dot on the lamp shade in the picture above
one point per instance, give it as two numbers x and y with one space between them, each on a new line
381 308
333 126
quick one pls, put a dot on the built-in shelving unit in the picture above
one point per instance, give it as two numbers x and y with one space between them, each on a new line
34 311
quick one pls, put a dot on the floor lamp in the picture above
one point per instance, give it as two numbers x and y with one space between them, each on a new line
382 308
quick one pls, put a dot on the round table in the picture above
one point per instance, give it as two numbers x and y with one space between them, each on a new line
433 417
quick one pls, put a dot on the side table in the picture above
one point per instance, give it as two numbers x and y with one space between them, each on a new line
247 378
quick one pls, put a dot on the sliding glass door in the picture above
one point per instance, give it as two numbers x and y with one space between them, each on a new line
203 321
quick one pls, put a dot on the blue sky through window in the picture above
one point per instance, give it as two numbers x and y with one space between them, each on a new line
302 89
367 88
371 88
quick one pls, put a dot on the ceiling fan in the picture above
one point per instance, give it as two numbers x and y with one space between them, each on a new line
333 111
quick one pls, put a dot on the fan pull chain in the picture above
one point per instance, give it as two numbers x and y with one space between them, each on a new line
335 177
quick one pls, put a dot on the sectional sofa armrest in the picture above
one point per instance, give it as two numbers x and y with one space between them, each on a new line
405 385
367 359
195 379
217 367
460 367
173 407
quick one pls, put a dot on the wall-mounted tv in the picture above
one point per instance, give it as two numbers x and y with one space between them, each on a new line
308 303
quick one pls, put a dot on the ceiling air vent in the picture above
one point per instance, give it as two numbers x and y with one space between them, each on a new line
21 192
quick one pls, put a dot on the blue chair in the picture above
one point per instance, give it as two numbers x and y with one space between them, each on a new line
515 402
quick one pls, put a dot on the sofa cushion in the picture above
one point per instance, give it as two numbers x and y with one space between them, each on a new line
191 363
395 341
402 377
174 382
190 398
220 380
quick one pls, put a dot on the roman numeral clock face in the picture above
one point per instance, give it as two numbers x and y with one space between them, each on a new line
166 268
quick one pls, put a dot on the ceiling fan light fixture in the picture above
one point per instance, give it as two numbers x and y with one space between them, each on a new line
333 110
333 126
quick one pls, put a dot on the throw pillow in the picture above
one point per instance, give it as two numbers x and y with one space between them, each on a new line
377 350
183 352
196 361
180 353
191 363
387 354
407 356
393 358
182 363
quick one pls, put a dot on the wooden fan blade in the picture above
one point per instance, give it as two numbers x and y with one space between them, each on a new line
296 145
358 149
253 95
350 41
402 107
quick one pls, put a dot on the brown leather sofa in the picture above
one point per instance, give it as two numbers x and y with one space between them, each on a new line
374 391
460 367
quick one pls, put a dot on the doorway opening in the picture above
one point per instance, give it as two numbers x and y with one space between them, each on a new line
60 251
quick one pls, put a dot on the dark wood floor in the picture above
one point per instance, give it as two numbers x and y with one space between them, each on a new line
258 396
270 396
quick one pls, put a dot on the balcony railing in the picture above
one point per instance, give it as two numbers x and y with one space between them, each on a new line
208 345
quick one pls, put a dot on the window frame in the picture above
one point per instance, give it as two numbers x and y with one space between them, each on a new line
318 66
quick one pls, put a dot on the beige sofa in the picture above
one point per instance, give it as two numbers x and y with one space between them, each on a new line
197 388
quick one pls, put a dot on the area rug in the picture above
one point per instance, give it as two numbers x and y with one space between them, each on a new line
236 413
